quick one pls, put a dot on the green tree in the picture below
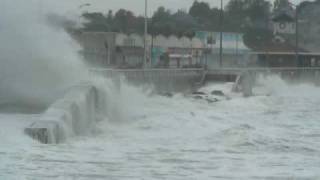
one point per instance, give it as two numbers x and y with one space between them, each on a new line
161 15
280 4
235 15
201 12
258 12
124 21
162 22
247 16
96 22
185 24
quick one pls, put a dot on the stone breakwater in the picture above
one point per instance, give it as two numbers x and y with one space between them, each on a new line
74 114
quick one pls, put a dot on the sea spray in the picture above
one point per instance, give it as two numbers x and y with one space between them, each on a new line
40 67
38 62
275 85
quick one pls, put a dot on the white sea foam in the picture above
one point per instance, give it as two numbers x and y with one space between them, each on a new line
37 61
273 136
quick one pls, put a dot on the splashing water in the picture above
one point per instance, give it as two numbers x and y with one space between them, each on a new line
271 136
37 61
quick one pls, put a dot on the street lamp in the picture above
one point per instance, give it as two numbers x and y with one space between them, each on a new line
296 33
221 35
81 13
80 7
145 33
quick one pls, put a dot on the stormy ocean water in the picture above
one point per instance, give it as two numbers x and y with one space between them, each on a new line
272 135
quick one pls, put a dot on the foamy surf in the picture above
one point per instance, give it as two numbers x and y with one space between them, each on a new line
136 134
259 137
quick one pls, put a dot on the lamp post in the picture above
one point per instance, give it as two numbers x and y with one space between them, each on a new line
296 33
145 33
237 48
81 13
221 35
297 37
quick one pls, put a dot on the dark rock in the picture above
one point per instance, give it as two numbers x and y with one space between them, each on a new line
217 93
167 94
212 100
197 97
198 93
40 134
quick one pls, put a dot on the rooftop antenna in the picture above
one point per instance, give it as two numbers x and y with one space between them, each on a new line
221 35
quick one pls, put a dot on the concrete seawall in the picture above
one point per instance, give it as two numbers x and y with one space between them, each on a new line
74 114
162 80
77 112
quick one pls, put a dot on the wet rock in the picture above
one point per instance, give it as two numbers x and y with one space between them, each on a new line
198 93
217 93
212 100
167 94
198 97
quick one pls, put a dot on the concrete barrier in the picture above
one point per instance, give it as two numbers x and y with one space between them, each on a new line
47 132
74 114
244 83
162 80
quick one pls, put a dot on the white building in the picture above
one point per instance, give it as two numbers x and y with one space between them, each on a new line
127 51
234 52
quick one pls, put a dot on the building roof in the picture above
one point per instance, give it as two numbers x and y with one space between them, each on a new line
285 14
287 53
276 47
230 41
283 18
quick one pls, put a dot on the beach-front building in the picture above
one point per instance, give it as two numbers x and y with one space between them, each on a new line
234 52
107 49
98 48
286 48
127 51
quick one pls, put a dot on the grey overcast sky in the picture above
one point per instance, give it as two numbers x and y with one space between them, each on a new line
137 6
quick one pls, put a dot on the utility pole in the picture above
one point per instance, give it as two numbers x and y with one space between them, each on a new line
145 34
80 7
296 33
221 35
297 37
237 48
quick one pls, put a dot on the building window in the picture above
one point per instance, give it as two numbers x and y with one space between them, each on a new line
313 62
318 62
282 26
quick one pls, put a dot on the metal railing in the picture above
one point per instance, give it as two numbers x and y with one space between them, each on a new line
149 73
196 77
274 69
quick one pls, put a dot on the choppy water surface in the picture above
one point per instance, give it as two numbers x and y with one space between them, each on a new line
274 135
